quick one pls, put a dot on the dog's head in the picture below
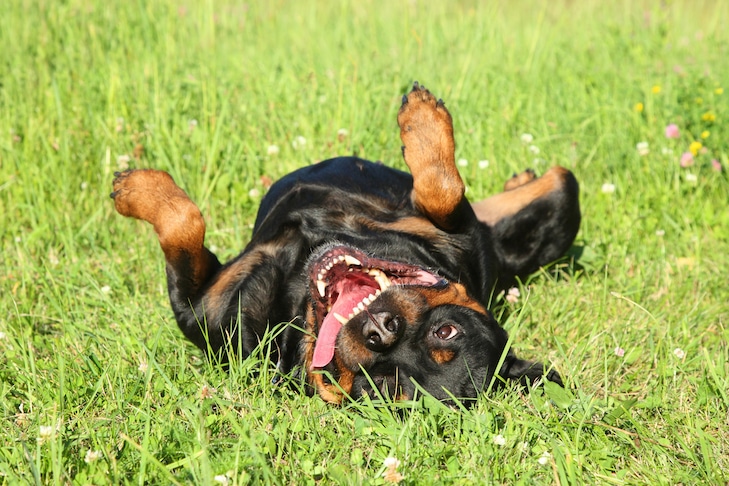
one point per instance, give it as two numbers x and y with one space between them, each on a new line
379 327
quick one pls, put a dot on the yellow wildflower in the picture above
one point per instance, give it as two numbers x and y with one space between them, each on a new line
638 107
695 147
705 134
699 100
708 117
656 89
719 91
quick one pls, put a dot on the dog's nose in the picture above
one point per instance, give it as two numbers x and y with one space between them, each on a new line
381 330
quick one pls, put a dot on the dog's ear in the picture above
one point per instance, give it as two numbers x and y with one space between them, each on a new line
527 372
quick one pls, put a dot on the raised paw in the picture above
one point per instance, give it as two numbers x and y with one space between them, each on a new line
146 194
422 113
426 130
519 179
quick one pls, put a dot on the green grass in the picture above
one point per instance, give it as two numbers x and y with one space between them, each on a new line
90 356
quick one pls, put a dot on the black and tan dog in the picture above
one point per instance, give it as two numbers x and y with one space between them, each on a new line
385 277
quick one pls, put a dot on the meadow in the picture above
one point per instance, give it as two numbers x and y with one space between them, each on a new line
98 386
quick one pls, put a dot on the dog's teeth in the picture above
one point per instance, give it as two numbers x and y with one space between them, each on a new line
366 301
321 287
351 315
342 320
378 292
360 306
372 297
350 260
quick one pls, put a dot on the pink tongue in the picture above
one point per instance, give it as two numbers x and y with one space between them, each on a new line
351 293
325 341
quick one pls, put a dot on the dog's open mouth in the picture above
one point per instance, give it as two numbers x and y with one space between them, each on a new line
345 282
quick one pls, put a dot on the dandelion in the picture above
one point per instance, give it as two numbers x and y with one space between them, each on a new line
672 131
462 163
705 134
679 353
482 164
691 178
660 233
534 149
527 138
638 107
272 150
619 352
716 165
719 91
708 117
687 159
544 458
500 440
391 475
656 89
695 147
105 289
92 456
642 148
298 142
608 188
513 295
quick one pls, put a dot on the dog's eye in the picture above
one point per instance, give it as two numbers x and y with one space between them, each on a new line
445 332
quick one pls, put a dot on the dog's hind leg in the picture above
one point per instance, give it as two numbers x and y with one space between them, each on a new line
426 131
533 222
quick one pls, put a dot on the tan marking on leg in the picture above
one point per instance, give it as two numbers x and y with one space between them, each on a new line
153 196
215 298
505 204
426 131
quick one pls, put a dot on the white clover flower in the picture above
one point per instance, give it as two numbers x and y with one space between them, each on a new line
272 150
143 366
482 164
105 289
513 295
608 188
92 456
462 163
544 458
642 148
342 133
660 232
391 475
123 162
679 353
254 193
45 433
527 138
207 391
534 149
221 479
620 352
298 142
192 124
691 178
500 440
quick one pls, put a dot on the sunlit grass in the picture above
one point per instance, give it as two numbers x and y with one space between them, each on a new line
98 385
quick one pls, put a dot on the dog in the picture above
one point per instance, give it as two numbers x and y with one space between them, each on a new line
383 277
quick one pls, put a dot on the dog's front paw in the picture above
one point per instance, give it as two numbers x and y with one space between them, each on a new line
142 193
